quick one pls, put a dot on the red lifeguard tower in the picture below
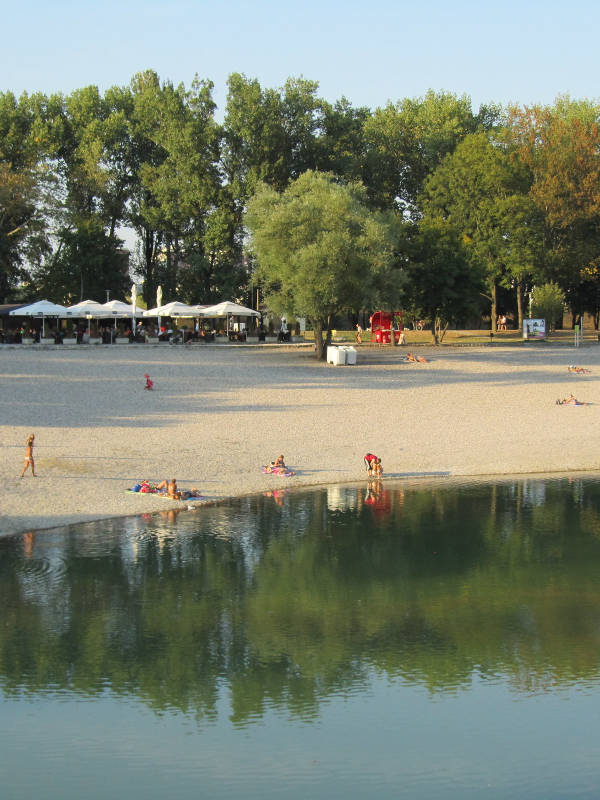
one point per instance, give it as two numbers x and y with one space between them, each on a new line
381 326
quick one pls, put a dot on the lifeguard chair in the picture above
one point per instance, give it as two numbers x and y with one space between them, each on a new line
381 326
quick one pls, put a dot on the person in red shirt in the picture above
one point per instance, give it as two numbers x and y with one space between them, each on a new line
372 464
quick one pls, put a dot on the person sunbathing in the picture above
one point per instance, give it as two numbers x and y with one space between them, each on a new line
571 400
579 370
278 467
186 494
171 490
416 359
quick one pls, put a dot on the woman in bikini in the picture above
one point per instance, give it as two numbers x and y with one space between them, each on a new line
29 456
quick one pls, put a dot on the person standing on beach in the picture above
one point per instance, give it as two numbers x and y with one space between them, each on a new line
29 456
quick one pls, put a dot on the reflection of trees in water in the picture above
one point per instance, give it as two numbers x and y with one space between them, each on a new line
288 604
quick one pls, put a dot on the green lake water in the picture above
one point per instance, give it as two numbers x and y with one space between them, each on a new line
433 640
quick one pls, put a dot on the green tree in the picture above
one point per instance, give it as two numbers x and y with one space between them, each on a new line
407 140
548 302
22 180
441 284
269 135
561 146
187 245
86 263
484 192
318 246
342 147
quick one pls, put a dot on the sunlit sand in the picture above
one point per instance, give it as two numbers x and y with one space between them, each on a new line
216 415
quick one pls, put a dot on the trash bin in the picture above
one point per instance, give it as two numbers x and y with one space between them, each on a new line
336 355
350 355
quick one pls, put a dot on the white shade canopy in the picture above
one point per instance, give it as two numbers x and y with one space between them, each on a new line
43 308
228 309
84 308
175 309
116 308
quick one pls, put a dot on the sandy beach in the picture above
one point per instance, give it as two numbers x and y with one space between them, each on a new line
217 414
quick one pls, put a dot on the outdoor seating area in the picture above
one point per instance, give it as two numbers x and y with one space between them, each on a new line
117 322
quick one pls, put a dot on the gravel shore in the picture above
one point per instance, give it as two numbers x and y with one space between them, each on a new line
216 414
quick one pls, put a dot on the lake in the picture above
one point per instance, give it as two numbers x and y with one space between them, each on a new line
435 640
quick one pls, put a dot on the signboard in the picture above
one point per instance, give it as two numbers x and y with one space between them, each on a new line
534 328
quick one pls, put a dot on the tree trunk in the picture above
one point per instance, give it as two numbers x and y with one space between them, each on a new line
320 352
520 305
441 331
494 312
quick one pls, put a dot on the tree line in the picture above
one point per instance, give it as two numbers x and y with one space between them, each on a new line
424 204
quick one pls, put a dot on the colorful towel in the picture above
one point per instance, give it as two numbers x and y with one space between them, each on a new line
279 471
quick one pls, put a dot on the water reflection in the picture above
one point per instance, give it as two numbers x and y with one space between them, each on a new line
289 599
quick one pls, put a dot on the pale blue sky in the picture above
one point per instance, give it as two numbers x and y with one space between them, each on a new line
370 52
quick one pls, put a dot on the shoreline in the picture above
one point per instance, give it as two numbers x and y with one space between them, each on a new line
218 414
407 480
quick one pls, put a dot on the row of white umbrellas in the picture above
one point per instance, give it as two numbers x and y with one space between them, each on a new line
115 308
119 310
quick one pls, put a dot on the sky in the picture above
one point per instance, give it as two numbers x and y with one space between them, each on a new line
370 52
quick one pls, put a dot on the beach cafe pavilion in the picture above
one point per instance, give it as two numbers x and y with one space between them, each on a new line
226 310
86 309
43 309
115 309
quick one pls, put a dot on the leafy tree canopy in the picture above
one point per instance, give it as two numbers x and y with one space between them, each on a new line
441 284
318 246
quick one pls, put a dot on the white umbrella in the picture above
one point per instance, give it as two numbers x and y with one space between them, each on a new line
228 309
174 309
119 309
43 309
85 308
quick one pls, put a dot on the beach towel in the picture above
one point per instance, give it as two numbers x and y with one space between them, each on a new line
163 495
281 473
